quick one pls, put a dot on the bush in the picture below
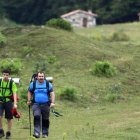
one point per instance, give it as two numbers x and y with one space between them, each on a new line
113 93
68 94
115 88
119 36
12 64
51 59
59 23
3 40
111 97
39 67
27 51
99 37
104 68
23 97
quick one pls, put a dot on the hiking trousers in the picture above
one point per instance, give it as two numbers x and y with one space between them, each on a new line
41 113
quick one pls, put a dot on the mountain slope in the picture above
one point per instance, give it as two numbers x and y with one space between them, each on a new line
73 55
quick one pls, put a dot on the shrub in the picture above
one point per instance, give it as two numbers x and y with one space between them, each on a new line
115 88
104 68
111 97
39 67
27 50
23 97
68 94
13 64
3 40
51 59
99 37
59 23
35 68
113 93
119 36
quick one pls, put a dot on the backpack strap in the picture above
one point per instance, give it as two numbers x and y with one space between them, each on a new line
10 86
48 93
47 86
1 99
0 82
34 86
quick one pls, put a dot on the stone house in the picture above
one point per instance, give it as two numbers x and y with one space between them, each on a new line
80 18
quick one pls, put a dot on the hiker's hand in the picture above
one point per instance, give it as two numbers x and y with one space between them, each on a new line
15 106
52 105
29 102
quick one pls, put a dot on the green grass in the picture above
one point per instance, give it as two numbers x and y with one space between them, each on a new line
100 122
92 116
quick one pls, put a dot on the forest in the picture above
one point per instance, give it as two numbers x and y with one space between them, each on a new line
38 12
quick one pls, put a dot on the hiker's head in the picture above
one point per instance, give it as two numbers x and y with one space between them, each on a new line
41 77
6 74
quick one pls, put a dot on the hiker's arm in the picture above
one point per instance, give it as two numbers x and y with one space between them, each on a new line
29 96
15 100
52 99
14 89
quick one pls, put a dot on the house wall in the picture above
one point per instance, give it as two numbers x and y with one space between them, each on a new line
77 19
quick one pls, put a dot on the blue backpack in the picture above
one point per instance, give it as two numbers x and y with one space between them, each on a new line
34 79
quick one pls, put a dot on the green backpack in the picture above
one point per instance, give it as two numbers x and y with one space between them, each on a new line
10 87
11 92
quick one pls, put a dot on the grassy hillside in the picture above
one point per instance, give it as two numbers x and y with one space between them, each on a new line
125 54
75 54
93 116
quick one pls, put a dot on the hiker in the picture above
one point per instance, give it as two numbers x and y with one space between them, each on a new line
7 89
42 98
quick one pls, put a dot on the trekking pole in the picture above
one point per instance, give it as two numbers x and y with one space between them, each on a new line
30 119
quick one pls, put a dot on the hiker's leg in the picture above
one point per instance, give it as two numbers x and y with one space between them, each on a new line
1 114
9 124
9 117
1 128
45 110
37 114
45 126
1 122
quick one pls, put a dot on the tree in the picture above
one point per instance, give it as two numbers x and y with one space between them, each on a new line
124 11
40 11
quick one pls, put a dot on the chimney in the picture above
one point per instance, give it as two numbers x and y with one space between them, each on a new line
90 11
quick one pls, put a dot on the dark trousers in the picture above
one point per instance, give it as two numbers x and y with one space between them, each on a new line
7 107
41 114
